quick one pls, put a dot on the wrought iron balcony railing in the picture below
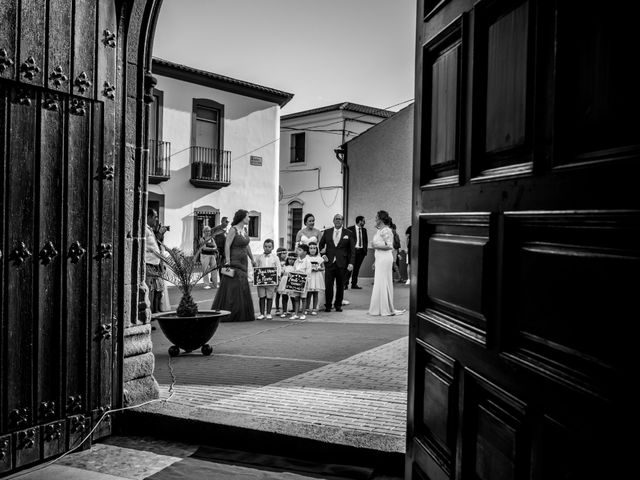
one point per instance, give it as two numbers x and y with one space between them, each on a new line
159 161
210 167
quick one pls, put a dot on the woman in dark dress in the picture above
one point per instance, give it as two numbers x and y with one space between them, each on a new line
234 293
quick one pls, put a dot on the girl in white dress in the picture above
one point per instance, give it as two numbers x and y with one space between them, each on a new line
301 265
282 287
315 283
382 293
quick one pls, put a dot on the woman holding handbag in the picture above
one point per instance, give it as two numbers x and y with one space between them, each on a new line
234 293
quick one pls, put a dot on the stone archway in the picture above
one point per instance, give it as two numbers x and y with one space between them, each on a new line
137 27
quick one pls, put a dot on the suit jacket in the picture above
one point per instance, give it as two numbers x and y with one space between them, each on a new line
344 253
365 239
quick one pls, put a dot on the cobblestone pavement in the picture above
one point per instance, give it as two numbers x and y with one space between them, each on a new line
341 376
364 392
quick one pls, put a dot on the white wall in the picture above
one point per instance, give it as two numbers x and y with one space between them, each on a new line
249 124
300 181
382 157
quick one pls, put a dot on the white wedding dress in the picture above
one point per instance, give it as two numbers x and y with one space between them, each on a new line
382 294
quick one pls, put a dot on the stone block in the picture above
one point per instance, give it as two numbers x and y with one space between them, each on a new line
138 366
140 390
144 310
135 330
134 302
137 344
126 306
128 251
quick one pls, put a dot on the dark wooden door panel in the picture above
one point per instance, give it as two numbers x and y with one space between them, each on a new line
507 46
50 262
103 381
57 156
19 262
77 281
528 253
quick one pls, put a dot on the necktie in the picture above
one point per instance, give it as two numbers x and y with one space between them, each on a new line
336 236
359 237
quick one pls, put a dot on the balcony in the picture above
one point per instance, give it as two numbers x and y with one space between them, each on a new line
210 168
159 161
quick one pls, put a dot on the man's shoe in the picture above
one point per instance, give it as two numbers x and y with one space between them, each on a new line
207 287
327 309
338 309
346 287
260 317
356 287
269 317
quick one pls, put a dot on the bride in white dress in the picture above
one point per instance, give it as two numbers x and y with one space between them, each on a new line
308 233
382 293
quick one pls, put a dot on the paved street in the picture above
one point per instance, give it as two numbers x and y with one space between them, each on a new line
337 377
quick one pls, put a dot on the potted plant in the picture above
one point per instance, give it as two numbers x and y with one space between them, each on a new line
187 328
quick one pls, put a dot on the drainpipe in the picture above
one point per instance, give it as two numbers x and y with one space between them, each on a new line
341 155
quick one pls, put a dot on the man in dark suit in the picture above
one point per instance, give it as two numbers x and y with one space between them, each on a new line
337 246
362 242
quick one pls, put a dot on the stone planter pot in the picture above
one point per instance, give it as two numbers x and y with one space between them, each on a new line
190 333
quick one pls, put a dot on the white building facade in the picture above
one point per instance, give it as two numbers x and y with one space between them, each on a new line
214 149
311 172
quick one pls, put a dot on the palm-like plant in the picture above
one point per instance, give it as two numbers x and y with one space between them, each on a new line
181 270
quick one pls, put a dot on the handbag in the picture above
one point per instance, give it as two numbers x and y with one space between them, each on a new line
228 271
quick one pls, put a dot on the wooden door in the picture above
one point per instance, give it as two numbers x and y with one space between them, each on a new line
527 240
57 152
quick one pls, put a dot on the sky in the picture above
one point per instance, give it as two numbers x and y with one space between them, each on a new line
322 51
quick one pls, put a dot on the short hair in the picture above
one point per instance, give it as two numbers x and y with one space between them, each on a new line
239 216
304 246
151 212
358 218
206 228
307 216
223 219
268 240
281 249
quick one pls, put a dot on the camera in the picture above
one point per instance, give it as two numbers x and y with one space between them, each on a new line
167 227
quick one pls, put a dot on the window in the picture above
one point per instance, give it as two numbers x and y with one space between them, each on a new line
159 151
297 147
207 123
254 225
295 222
201 217
210 163
156 201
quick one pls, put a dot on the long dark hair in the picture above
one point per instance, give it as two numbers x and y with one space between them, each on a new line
384 217
306 217
239 216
